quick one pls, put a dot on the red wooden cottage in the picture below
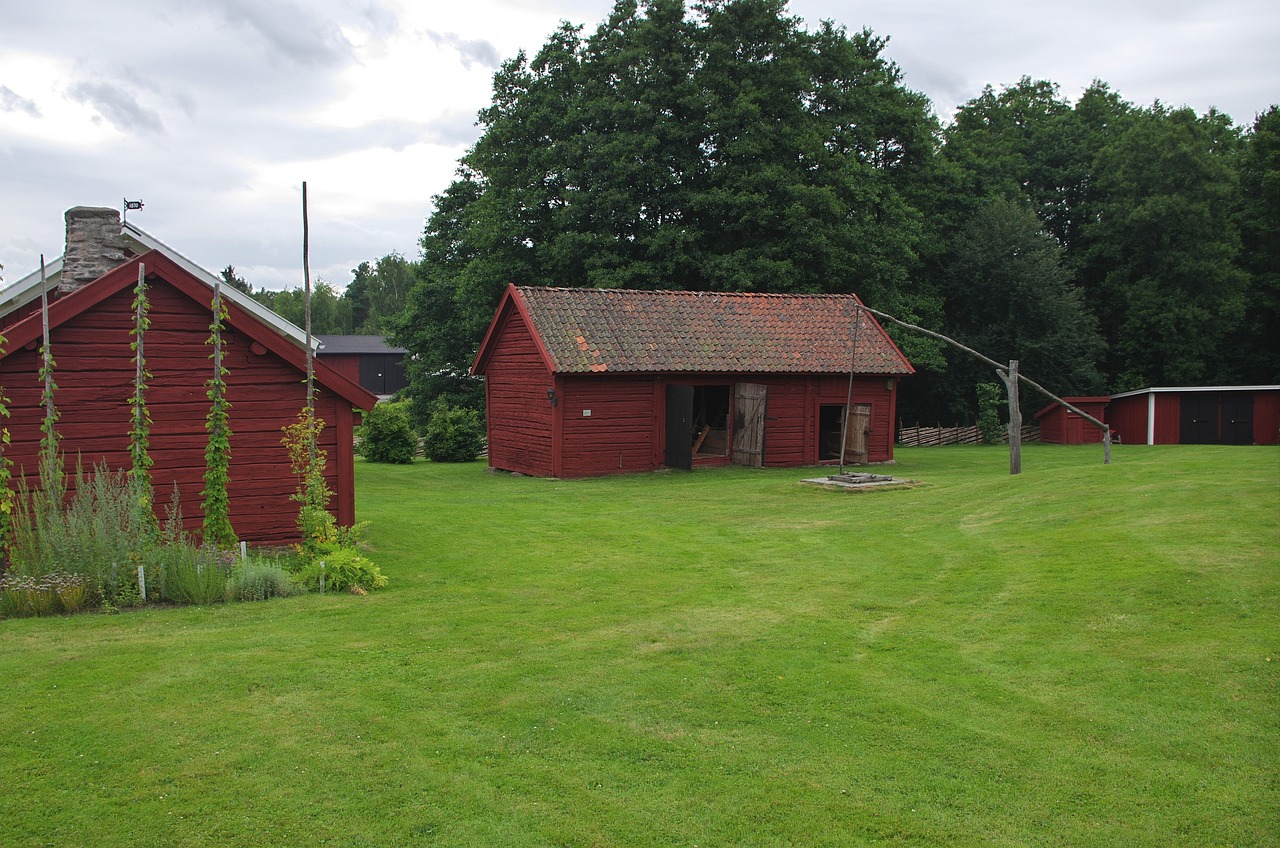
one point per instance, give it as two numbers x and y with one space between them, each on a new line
90 317
583 382
1197 415
1061 426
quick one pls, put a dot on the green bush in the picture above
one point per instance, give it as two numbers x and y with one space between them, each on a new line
387 435
256 580
342 569
453 434
990 398
100 534
194 575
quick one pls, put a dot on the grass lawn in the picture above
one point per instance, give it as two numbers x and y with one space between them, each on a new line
1082 655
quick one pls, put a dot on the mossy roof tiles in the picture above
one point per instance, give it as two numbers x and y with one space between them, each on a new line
591 330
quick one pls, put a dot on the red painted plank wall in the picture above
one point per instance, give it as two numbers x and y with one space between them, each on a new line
94 374
1127 417
1266 418
625 430
346 364
870 390
617 436
519 412
1168 430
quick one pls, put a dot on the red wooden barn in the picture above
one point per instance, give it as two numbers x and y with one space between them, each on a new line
90 317
1197 415
583 382
1061 426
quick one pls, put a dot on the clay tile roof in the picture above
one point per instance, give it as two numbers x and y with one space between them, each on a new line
586 330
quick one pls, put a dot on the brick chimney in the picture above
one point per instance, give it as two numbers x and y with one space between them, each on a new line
94 246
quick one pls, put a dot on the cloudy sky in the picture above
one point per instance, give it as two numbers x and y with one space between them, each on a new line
213 112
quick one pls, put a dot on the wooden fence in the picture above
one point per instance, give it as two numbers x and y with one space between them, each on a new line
918 436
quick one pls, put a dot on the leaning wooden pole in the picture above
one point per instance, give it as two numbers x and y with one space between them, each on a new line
311 377
1003 371
848 398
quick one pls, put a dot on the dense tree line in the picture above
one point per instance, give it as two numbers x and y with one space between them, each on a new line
377 292
723 145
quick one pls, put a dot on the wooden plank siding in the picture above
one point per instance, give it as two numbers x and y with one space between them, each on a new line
519 412
94 374
623 432
617 436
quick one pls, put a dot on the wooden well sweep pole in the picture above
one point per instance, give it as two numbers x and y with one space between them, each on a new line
848 399
1003 372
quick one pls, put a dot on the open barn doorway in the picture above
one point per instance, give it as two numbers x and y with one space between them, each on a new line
710 421
831 428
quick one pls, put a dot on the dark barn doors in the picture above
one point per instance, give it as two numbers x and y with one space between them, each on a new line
694 423
1209 418
679 453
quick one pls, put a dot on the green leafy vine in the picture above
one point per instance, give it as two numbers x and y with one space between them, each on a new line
217 455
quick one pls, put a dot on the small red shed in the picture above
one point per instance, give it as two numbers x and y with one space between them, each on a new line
1061 426
1197 415
585 382
90 325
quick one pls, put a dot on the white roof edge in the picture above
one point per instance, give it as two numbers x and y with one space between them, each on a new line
27 288
239 298
1159 389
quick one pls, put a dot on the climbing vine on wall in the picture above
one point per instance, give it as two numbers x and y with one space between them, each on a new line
217 454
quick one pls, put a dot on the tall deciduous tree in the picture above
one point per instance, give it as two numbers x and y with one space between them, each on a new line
1160 267
1256 354
727 148
1009 295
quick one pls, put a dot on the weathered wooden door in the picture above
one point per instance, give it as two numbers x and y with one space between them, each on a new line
679 452
857 433
750 401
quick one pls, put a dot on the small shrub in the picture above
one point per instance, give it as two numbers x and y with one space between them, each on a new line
990 397
195 575
387 434
453 434
343 568
256 580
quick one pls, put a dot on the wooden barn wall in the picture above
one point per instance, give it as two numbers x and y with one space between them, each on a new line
346 364
519 413
1168 429
618 434
1051 426
834 390
1266 418
1061 426
1127 417
625 430
94 374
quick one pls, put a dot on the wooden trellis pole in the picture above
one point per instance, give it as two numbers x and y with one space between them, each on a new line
311 382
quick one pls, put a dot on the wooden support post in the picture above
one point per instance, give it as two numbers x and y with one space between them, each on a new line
1015 418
